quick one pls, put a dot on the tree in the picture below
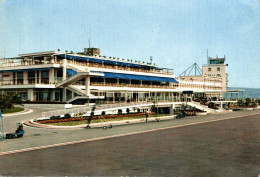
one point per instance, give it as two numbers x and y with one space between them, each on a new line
119 112
127 110
7 101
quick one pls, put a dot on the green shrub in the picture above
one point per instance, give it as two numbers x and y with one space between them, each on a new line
103 113
119 112
128 111
55 117
67 116
138 110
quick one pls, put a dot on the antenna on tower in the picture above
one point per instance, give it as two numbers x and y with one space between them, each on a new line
208 55
89 42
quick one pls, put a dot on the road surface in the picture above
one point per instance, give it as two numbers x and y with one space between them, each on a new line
221 148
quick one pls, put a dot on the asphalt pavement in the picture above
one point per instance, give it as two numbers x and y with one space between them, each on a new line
35 137
229 147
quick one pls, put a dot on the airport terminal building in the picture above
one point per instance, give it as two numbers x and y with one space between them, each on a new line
87 76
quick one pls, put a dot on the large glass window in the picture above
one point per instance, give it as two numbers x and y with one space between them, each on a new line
45 77
19 78
31 77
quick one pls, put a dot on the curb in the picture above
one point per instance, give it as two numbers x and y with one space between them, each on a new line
25 111
31 123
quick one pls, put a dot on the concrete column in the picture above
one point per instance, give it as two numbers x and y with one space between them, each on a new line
87 85
35 73
40 77
25 77
172 108
114 99
64 97
64 71
52 94
30 94
126 96
51 76
15 77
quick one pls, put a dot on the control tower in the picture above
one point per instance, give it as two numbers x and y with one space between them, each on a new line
216 67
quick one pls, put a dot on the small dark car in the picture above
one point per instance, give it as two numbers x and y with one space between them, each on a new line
17 134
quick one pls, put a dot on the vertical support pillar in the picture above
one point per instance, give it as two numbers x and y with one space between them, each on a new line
114 95
52 92
15 78
172 108
51 76
87 84
40 77
35 74
25 77
64 97
64 71
30 94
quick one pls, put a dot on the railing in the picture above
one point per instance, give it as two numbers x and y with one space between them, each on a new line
100 107
28 82
130 85
98 65
28 63
66 111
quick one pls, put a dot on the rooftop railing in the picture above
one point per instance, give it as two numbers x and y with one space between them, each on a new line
99 65
101 84
28 63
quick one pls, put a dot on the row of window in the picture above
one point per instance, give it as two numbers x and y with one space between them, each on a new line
218 69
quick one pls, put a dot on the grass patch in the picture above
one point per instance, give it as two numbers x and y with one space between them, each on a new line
13 110
74 123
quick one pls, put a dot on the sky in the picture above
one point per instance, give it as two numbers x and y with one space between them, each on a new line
176 33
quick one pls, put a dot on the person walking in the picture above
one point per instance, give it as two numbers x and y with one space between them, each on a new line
146 116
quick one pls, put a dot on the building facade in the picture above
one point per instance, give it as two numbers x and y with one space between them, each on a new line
89 77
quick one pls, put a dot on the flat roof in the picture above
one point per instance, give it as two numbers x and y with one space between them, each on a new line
234 91
37 54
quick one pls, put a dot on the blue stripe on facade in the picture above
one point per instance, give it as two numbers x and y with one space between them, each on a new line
138 77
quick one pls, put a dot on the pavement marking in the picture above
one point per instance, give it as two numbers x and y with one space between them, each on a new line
116 136
23 112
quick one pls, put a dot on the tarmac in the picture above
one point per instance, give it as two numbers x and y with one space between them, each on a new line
37 137
212 145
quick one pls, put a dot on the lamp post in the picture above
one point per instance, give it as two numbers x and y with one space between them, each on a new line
2 126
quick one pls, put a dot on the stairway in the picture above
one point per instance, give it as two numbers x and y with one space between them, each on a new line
76 90
201 107
73 79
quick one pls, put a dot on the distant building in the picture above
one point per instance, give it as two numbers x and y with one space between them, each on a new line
217 68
